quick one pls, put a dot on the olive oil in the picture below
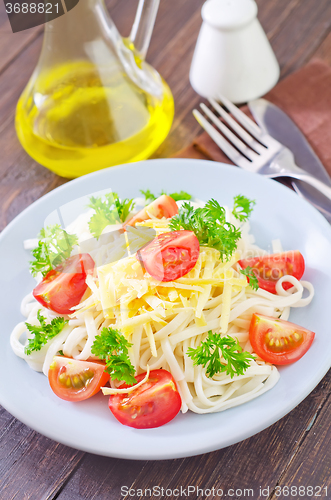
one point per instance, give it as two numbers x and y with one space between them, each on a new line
76 118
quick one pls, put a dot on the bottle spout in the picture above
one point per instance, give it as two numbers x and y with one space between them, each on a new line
143 25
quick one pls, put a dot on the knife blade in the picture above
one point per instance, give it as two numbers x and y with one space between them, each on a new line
280 126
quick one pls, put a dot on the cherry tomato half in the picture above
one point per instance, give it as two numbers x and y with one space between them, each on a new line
277 341
164 206
64 286
153 404
75 380
170 255
269 268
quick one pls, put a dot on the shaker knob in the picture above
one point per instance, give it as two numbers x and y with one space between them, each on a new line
229 14
233 56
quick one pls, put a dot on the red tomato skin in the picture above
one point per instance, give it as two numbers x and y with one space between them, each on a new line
170 255
100 378
262 327
64 286
151 405
164 206
289 263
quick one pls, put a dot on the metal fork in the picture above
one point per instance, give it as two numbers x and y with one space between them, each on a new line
253 150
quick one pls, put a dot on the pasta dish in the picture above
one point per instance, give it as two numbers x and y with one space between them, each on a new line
178 289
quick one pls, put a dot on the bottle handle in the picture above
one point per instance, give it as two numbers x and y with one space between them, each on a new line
143 25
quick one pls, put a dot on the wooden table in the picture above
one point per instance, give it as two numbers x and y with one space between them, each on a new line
296 451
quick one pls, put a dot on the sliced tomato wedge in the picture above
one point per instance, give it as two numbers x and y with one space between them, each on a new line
63 287
153 404
164 206
277 341
75 380
269 268
170 255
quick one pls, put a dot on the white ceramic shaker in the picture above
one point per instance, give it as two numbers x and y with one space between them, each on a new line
233 55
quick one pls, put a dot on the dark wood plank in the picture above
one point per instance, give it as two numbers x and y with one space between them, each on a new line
311 464
102 478
172 19
301 33
324 51
31 466
274 13
11 45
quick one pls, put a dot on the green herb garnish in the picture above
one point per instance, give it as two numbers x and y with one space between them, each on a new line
242 207
210 227
182 195
252 278
111 210
112 347
209 353
149 197
54 246
43 333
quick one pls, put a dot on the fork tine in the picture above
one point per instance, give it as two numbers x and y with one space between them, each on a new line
251 126
251 155
237 128
222 143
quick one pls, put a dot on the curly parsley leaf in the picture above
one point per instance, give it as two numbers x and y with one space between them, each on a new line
242 207
112 347
210 227
182 195
149 197
43 333
111 210
55 245
41 262
209 353
252 278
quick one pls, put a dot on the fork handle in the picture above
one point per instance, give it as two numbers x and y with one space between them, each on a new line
316 183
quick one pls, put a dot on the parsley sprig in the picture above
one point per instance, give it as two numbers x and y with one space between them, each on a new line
252 278
54 246
149 196
43 333
210 227
111 210
181 195
242 207
112 347
209 353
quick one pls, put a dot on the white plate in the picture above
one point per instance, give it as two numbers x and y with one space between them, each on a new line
89 425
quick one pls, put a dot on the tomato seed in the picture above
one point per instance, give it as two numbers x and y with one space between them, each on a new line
78 380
